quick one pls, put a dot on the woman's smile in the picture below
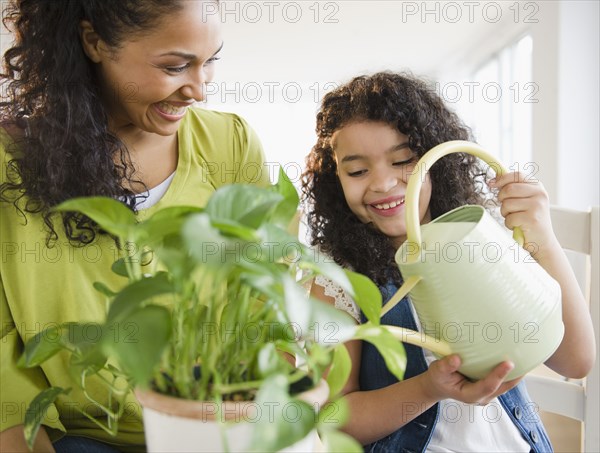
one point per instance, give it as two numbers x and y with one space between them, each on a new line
172 111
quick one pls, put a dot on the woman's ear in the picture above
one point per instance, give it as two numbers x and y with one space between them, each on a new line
91 42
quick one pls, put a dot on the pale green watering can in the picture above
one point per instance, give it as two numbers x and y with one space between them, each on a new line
476 291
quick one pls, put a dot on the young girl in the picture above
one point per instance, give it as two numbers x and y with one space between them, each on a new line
371 132
100 96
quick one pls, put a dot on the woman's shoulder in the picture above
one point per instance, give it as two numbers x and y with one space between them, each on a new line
213 120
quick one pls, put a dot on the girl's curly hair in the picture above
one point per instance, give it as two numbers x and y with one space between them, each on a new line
414 109
65 149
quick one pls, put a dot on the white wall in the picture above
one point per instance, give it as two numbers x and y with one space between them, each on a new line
578 108
309 55
430 39
280 57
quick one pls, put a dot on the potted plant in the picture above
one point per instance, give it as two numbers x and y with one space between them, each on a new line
216 299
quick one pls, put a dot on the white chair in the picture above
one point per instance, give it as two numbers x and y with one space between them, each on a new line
577 231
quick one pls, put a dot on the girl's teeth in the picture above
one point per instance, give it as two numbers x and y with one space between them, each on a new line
391 205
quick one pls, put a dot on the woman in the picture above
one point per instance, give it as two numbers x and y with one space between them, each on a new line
100 96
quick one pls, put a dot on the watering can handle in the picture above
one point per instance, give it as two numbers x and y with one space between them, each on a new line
413 227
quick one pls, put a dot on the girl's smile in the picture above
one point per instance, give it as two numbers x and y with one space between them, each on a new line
387 207
374 164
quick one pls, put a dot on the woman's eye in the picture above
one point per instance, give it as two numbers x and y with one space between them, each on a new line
177 69
212 60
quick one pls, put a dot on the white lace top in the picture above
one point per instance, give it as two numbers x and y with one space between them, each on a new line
342 300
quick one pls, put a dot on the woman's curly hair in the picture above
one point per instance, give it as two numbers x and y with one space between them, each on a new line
65 149
414 109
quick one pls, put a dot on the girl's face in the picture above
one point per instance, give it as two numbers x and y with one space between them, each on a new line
374 163
150 80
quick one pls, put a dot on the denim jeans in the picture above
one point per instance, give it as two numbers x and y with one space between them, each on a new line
77 444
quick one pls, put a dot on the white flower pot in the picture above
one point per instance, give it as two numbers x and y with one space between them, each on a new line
178 425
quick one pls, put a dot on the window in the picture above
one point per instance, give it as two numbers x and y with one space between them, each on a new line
498 105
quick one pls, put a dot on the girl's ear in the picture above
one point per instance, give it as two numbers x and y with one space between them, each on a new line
92 44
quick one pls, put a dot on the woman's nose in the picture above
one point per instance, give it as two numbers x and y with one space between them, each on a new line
195 86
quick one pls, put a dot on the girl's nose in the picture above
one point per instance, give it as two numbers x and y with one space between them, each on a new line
383 181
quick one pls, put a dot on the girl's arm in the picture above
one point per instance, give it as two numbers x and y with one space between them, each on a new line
525 204
375 414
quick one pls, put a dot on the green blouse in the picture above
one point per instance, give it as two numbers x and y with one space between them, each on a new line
41 286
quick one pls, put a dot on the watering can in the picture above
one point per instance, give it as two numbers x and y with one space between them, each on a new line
476 291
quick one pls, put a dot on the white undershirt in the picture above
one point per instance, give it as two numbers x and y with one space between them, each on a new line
154 195
469 427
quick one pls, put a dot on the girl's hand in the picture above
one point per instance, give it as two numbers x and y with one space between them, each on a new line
442 381
525 204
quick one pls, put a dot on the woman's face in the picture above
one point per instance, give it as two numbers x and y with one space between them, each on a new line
374 163
151 79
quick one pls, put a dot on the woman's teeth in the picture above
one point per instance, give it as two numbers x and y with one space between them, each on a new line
170 109
391 205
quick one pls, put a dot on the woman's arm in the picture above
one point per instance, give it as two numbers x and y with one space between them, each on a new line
13 440
525 204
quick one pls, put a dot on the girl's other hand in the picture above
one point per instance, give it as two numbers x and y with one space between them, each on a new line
525 204
442 380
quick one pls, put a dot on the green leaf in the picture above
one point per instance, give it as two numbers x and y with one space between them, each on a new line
130 297
278 245
85 339
242 203
315 320
389 347
333 415
173 212
335 441
297 306
286 188
269 360
103 289
292 421
165 222
366 295
111 215
140 340
205 243
339 371
320 264
42 346
235 229
120 268
176 260
37 410
92 361
80 334
285 211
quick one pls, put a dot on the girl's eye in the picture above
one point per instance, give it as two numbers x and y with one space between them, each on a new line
177 69
404 162
354 174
